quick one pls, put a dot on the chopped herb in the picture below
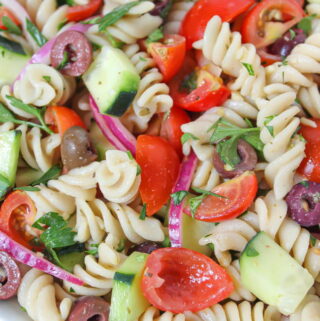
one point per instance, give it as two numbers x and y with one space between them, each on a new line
68 2
284 61
23 309
305 184
142 58
27 188
4 185
248 122
297 101
138 170
283 76
211 246
11 26
37 112
121 245
47 78
187 136
155 36
52 173
113 41
270 130
204 192
71 290
113 16
178 197
166 242
129 155
189 82
306 24
292 34
252 252
93 249
64 61
62 24
249 68
35 33
263 192
313 240
143 212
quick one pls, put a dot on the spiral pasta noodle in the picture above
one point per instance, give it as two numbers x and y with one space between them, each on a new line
205 177
38 295
4 127
152 314
43 85
224 49
152 96
308 309
118 177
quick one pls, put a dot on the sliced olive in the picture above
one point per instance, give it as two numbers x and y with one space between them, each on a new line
248 161
304 203
145 247
10 276
90 308
76 149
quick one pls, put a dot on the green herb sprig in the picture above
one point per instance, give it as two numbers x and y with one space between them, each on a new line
11 26
35 33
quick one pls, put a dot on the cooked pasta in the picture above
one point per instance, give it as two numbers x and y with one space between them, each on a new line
205 177
118 177
308 309
152 314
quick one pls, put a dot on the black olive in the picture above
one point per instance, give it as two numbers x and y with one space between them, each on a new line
145 247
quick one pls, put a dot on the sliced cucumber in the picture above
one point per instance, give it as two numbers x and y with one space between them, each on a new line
12 60
127 301
112 80
272 275
9 155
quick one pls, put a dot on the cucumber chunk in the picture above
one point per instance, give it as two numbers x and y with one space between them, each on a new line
272 275
127 301
9 151
112 80
12 60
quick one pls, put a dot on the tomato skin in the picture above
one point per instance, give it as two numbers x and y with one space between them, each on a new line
62 118
267 59
159 164
78 13
310 166
4 12
168 54
179 280
171 127
16 211
252 21
239 194
196 20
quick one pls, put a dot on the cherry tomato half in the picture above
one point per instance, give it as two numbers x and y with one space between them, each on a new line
159 164
168 54
310 166
179 280
4 12
62 118
196 88
258 27
17 212
78 13
171 127
238 193
196 20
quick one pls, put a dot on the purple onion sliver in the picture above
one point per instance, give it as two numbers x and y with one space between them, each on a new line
187 169
25 256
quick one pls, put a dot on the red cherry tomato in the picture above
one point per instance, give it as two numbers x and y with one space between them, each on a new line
259 30
78 13
196 89
168 54
310 166
159 164
196 20
179 280
171 127
4 12
239 193
17 212
62 118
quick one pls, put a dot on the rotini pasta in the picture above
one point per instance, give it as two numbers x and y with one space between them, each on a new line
152 314
308 309
205 177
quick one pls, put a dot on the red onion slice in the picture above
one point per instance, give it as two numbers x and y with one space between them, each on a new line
25 256
187 169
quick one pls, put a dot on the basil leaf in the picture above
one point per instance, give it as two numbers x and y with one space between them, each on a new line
155 36
11 26
35 33
252 252
178 197
143 212
52 173
187 136
27 188
249 68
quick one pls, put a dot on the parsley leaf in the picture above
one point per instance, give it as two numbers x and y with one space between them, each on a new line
187 136
35 33
121 245
313 240
64 61
155 36
306 24
143 212
47 78
11 26
93 249
249 68
166 242
27 188
129 155
138 170
52 173
178 197
252 252
204 192
305 184
292 34
189 82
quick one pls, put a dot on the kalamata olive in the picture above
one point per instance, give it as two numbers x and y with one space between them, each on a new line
161 8
145 247
74 46
10 277
304 203
284 45
76 149
248 161
90 308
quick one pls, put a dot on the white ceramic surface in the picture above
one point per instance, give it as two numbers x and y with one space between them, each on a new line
10 311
